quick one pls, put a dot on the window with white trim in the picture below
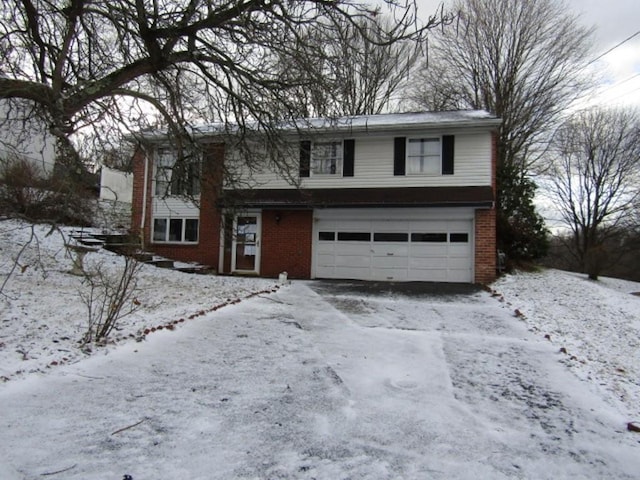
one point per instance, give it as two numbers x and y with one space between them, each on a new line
175 230
326 158
424 156
173 178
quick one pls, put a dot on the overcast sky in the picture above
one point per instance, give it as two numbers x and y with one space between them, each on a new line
614 21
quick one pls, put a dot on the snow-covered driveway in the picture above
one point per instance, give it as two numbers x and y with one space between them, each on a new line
307 385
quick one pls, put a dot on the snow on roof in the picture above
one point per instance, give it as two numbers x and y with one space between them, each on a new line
362 123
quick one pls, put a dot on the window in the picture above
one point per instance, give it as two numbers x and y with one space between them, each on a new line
326 158
429 237
354 236
459 237
390 237
174 178
424 156
326 236
181 230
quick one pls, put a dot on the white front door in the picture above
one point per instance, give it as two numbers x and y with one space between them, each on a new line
245 252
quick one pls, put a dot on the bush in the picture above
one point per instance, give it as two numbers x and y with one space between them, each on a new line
25 192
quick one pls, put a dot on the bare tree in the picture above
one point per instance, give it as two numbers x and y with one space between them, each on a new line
595 181
119 63
358 77
523 61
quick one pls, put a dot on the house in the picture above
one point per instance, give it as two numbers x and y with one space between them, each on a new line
391 197
115 185
23 136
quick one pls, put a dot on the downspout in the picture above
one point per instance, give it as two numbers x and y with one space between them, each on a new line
144 200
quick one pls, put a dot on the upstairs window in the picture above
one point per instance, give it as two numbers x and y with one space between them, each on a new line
176 178
326 158
424 156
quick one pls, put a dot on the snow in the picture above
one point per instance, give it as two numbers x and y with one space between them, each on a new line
314 380
596 323
362 123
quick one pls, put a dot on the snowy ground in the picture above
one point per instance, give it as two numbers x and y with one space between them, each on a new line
311 382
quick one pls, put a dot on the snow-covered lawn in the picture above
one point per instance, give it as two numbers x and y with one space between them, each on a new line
596 325
42 317
310 382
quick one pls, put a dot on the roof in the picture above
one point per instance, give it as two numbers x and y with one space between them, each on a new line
359 124
478 196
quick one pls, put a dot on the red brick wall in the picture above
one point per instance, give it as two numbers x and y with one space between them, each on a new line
207 250
140 157
485 255
286 244
485 231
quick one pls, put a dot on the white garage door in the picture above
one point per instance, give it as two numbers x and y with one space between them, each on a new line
394 249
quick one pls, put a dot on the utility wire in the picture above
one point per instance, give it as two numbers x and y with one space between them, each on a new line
616 85
613 48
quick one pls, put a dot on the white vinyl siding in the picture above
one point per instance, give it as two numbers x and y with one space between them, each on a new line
174 207
374 166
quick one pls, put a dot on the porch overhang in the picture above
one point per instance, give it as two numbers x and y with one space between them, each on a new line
293 198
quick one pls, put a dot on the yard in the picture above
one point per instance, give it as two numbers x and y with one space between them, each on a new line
537 379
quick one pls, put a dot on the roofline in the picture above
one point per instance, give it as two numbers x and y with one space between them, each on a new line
348 124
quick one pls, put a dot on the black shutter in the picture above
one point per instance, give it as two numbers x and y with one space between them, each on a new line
399 154
447 154
348 160
305 158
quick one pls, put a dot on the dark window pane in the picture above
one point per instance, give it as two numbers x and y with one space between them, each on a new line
459 237
354 236
159 229
390 237
175 230
327 236
429 237
191 230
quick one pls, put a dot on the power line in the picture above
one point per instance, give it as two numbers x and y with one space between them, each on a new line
613 48
624 95
616 85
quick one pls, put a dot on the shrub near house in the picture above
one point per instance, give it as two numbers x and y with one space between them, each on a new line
393 197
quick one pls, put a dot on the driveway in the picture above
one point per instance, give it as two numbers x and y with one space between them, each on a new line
321 381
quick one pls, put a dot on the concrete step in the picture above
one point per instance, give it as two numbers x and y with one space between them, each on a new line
161 263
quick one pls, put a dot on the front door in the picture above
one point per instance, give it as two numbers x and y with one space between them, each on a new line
246 243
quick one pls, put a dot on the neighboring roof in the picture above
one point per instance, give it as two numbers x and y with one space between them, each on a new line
360 124
480 196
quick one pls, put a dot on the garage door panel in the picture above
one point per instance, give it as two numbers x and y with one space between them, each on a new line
428 275
352 273
353 248
428 262
327 259
428 250
325 248
389 262
383 249
457 263
459 275
353 261
389 274
459 251
325 272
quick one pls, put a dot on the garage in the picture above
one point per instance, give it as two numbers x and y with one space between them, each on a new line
394 244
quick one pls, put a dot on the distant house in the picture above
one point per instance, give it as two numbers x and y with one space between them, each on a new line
115 185
25 138
393 197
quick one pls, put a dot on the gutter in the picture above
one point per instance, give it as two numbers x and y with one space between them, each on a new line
144 199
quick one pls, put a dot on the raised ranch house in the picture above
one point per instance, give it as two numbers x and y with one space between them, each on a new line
393 197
